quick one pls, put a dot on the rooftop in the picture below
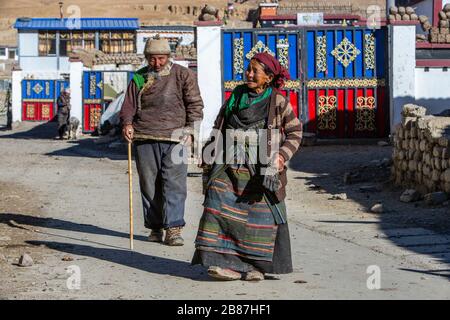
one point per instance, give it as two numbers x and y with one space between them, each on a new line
77 24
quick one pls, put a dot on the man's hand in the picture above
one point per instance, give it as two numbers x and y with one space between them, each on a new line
186 140
128 132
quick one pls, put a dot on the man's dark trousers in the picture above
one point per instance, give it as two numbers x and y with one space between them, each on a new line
163 183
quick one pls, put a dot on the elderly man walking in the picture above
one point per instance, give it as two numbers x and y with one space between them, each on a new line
161 98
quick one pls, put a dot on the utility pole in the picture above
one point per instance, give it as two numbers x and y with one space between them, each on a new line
61 15
8 103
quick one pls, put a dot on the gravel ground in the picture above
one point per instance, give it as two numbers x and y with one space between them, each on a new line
66 204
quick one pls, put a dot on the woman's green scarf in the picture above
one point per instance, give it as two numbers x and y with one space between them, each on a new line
239 99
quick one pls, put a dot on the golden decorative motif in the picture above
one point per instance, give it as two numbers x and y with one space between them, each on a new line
289 84
283 52
258 48
238 63
345 52
365 114
369 48
47 88
37 88
346 83
38 100
92 84
230 85
30 110
45 111
100 85
92 101
321 54
292 84
327 116
94 117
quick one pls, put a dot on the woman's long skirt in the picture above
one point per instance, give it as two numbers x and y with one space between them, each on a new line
237 229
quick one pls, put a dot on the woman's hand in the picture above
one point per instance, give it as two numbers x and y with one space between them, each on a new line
128 132
279 162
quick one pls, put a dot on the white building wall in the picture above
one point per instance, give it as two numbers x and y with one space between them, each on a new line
433 89
402 66
209 75
64 64
16 96
38 63
28 44
76 94
43 75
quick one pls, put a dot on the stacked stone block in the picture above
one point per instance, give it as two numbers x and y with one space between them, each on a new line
421 156
402 13
441 33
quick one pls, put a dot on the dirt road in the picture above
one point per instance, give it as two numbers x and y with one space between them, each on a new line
65 203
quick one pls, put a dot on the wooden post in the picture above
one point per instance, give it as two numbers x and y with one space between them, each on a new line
130 188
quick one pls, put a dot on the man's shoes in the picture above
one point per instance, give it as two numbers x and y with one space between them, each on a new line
156 235
173 237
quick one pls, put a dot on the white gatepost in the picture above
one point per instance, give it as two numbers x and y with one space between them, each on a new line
76 94
16 96
209 72
402 64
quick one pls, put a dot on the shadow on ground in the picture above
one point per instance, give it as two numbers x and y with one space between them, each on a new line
132 259
38 131
13 219
85 146
325 168
111 253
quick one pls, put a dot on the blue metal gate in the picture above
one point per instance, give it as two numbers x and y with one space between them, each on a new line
345 82
94 100
338 74
239 46
39 98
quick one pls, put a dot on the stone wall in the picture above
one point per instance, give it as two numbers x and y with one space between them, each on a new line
334 7
421 153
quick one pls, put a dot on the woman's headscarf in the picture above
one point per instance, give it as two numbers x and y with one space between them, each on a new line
279 72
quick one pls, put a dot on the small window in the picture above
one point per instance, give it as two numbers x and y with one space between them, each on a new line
2 51
11 53
47 43
117 42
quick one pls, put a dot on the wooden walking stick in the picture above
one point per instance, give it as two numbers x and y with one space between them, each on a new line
130 188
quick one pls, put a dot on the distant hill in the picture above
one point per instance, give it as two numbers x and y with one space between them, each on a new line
150 12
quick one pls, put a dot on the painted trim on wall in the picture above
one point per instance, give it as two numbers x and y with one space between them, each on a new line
428 45
437 63
405 22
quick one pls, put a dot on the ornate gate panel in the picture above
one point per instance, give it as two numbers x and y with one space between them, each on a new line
345 82
38 100
92 99
240 45
99 89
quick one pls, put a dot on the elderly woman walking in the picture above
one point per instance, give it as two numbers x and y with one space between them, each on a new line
243 232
